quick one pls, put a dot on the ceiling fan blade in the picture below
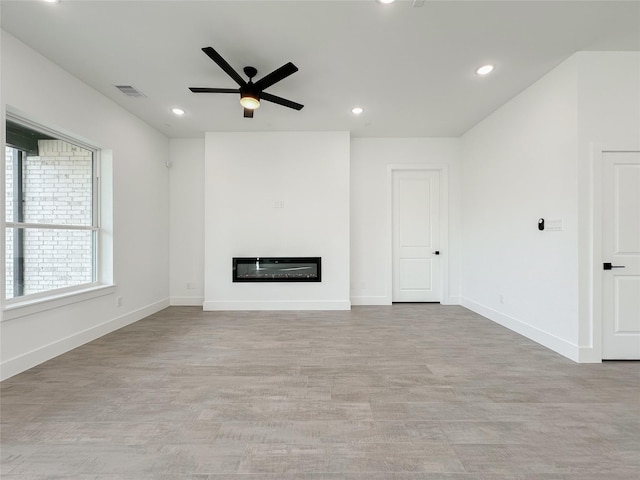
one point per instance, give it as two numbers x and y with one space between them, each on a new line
248 113
280 101
222 63
214 90
275 76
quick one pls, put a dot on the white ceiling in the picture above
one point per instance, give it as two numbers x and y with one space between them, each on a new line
411 68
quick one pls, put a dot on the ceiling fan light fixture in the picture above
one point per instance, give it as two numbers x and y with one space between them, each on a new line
249 101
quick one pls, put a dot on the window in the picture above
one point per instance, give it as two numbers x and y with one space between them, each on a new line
51 212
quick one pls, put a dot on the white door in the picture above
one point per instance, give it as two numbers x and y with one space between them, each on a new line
621 250
416 234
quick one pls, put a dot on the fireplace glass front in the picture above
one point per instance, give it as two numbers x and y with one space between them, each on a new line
276 269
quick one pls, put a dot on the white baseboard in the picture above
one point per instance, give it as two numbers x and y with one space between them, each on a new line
371 300
546 339
451 301
275 305
28 360
186 301
589 355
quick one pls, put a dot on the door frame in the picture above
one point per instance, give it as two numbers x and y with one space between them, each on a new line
443 170
590 350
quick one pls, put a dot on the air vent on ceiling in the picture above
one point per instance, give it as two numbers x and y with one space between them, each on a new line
130 91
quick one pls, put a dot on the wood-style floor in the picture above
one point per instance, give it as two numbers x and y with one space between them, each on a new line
407 392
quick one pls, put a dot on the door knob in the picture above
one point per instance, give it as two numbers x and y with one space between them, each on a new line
608 266
437 252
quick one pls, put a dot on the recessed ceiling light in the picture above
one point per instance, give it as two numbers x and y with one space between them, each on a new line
357 110
178 111
386 2
52 1
484 70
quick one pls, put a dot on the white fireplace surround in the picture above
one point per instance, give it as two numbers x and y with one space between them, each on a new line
284 195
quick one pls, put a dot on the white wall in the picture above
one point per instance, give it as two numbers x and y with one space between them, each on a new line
520 164
608 119
35 87
186 157
245 175
538 156
370 227
371 211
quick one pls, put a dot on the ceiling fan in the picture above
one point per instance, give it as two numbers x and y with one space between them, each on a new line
251 93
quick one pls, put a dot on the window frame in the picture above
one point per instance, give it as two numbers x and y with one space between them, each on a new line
55 294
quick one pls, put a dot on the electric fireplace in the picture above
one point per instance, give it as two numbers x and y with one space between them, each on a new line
277 269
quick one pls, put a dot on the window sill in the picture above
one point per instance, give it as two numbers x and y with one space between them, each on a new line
29 307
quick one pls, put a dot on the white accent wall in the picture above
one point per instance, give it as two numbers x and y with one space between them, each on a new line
277 194
137 180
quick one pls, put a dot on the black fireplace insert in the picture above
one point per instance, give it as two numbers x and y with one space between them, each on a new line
277 269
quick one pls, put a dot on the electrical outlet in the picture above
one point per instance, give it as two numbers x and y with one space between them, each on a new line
118 301
191 286
501 299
